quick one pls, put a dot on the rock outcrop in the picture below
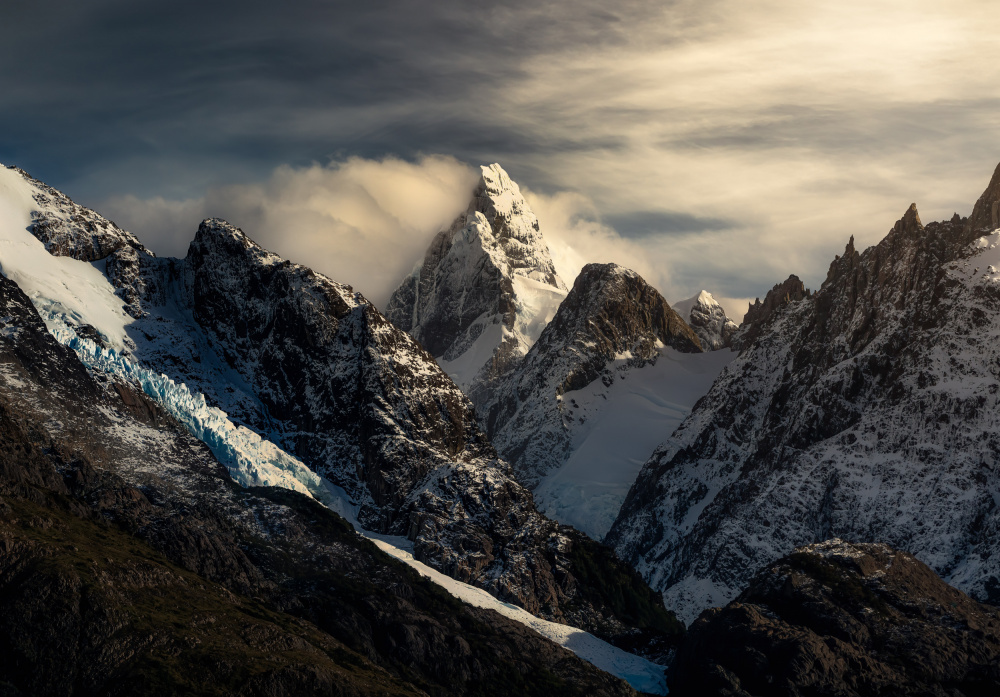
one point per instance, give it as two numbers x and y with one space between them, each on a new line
866 410
843 619
759 314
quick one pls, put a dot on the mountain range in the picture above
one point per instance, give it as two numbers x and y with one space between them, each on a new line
232 461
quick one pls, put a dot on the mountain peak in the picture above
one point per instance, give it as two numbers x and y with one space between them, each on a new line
910 221
613 340
496 180
986 212
485 289
518 236
708 319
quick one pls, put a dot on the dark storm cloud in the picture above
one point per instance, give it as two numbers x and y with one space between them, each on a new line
639 224
257 84
723 144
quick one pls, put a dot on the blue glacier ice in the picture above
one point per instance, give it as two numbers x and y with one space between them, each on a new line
250 459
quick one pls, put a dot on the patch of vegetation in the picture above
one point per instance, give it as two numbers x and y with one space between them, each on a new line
160 630
603 579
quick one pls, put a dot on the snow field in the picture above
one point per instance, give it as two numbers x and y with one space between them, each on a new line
616 429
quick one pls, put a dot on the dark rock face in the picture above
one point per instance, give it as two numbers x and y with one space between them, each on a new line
843 619
363 401
610 313
866 410
130 560
986 212
363 404
485 289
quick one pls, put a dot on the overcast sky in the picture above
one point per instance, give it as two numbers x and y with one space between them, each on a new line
709 144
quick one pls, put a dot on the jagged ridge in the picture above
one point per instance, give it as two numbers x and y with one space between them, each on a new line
866 410
485 289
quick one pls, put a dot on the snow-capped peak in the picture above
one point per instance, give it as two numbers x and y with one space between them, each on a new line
485 289
708 319
499 199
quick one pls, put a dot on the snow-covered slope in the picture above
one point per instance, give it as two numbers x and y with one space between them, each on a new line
708 319
485 289
868 410
612 374
287 356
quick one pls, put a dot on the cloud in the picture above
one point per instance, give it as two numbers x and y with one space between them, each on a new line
729 143
367 222
362 222
576 237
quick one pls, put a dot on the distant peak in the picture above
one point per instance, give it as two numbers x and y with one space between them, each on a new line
910 222
708 319
705 298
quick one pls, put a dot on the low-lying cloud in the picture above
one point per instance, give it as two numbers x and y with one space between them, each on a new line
367 222
362 222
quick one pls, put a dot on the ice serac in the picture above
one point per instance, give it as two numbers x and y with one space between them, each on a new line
485 289
595 394
867 410
708 320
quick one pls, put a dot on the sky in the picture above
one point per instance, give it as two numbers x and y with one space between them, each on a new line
713 144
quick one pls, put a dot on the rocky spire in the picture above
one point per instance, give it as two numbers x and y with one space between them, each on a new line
760 313
485 289
986 212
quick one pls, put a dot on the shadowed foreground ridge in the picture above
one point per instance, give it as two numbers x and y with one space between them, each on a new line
843 619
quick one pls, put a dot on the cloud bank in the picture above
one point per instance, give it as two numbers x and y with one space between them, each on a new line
362 222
